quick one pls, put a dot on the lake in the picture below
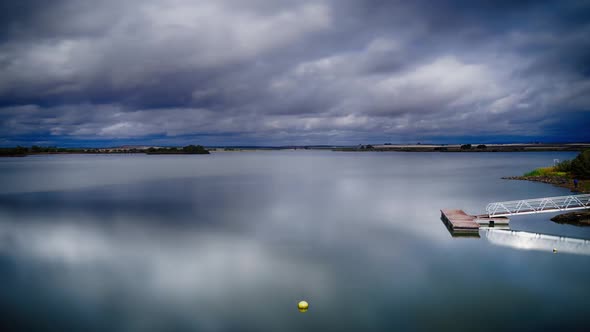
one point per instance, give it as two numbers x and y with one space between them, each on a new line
232 241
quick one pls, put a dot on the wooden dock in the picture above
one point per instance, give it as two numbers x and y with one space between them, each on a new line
460 223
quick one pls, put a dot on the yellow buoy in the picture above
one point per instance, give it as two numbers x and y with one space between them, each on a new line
302 306
554 250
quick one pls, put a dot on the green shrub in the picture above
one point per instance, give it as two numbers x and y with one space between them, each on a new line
580 167
564 166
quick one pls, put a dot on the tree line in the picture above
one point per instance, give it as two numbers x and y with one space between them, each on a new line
23 151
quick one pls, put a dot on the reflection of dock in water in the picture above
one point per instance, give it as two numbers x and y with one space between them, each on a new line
501 235
535 241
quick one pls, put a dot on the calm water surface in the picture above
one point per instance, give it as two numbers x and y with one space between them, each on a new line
231 242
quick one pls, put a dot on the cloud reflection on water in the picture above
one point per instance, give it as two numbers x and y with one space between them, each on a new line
204 274
201 250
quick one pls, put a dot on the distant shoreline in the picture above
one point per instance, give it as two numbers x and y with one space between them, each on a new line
532 147
20 151
468 148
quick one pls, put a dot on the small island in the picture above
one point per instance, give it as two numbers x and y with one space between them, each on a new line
577 218
190 149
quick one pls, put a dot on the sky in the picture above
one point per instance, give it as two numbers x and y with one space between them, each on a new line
301 72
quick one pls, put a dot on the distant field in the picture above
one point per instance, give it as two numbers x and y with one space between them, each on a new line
514 147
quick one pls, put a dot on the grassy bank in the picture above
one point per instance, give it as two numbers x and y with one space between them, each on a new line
564 174
547 171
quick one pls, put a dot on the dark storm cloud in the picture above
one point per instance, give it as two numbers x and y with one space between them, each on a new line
293 71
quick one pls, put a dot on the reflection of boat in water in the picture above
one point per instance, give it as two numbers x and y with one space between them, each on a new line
535 241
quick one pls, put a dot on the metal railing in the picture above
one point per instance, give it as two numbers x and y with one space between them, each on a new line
538 205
